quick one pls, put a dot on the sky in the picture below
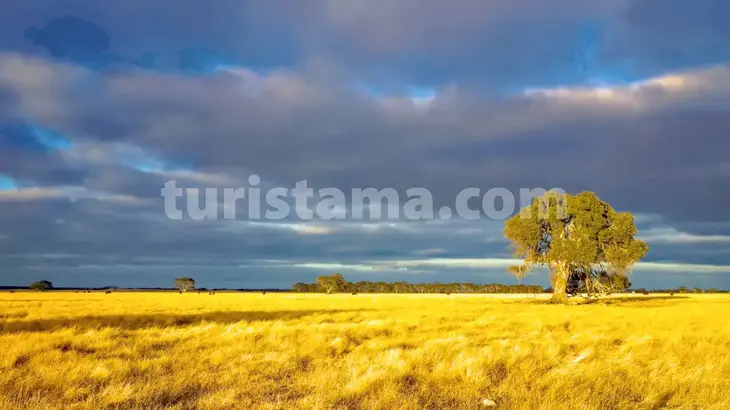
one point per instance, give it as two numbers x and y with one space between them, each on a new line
103 101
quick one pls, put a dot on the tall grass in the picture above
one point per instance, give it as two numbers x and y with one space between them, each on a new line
276 351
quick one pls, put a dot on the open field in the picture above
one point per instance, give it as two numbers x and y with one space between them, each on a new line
166 350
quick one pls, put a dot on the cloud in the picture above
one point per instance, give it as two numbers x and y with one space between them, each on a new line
300 228
332 266
504 263
671 235
495 42
105 101
70 193
681 267
322 131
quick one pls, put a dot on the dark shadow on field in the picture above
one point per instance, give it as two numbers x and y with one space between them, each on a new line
620 299
617 300
136 321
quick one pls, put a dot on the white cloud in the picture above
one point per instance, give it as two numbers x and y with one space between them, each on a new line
673 236
71 193
301 228
333 266
469 263
645 94
503 263
680 267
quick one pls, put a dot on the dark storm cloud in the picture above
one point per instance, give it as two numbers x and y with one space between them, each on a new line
494 42
658 142
145 92
673 34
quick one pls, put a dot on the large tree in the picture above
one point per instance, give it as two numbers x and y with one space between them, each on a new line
576 237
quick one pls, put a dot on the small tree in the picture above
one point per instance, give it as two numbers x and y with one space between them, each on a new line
184 284
299 287
577 237
332 284
41 285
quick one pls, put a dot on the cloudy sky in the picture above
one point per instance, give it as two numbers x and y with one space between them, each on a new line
103 101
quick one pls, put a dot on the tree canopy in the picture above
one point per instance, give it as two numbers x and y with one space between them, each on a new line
577 237
332 284
184 284
41 285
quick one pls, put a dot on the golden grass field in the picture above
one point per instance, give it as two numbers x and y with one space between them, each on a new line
281 351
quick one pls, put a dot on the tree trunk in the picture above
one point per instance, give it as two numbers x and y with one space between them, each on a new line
560 284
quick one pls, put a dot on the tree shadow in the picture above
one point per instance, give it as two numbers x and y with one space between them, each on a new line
633 300
611 300
137 322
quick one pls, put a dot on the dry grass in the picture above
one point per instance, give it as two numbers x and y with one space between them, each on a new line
165 350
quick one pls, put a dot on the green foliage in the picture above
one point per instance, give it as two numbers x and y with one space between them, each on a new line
519 271
332 284
602 282
41 285
577 237
184 284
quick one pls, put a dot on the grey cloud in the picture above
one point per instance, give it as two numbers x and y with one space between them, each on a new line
496 43
292 111
287 127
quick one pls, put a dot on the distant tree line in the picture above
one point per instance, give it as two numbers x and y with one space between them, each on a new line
337 284
684 289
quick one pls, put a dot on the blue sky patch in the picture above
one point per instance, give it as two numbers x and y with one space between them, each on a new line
31 137
7 183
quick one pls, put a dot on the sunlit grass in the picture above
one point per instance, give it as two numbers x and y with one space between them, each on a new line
166 350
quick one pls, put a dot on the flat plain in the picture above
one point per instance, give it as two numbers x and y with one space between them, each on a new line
309 351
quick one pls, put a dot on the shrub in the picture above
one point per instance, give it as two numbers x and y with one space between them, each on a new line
41 285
